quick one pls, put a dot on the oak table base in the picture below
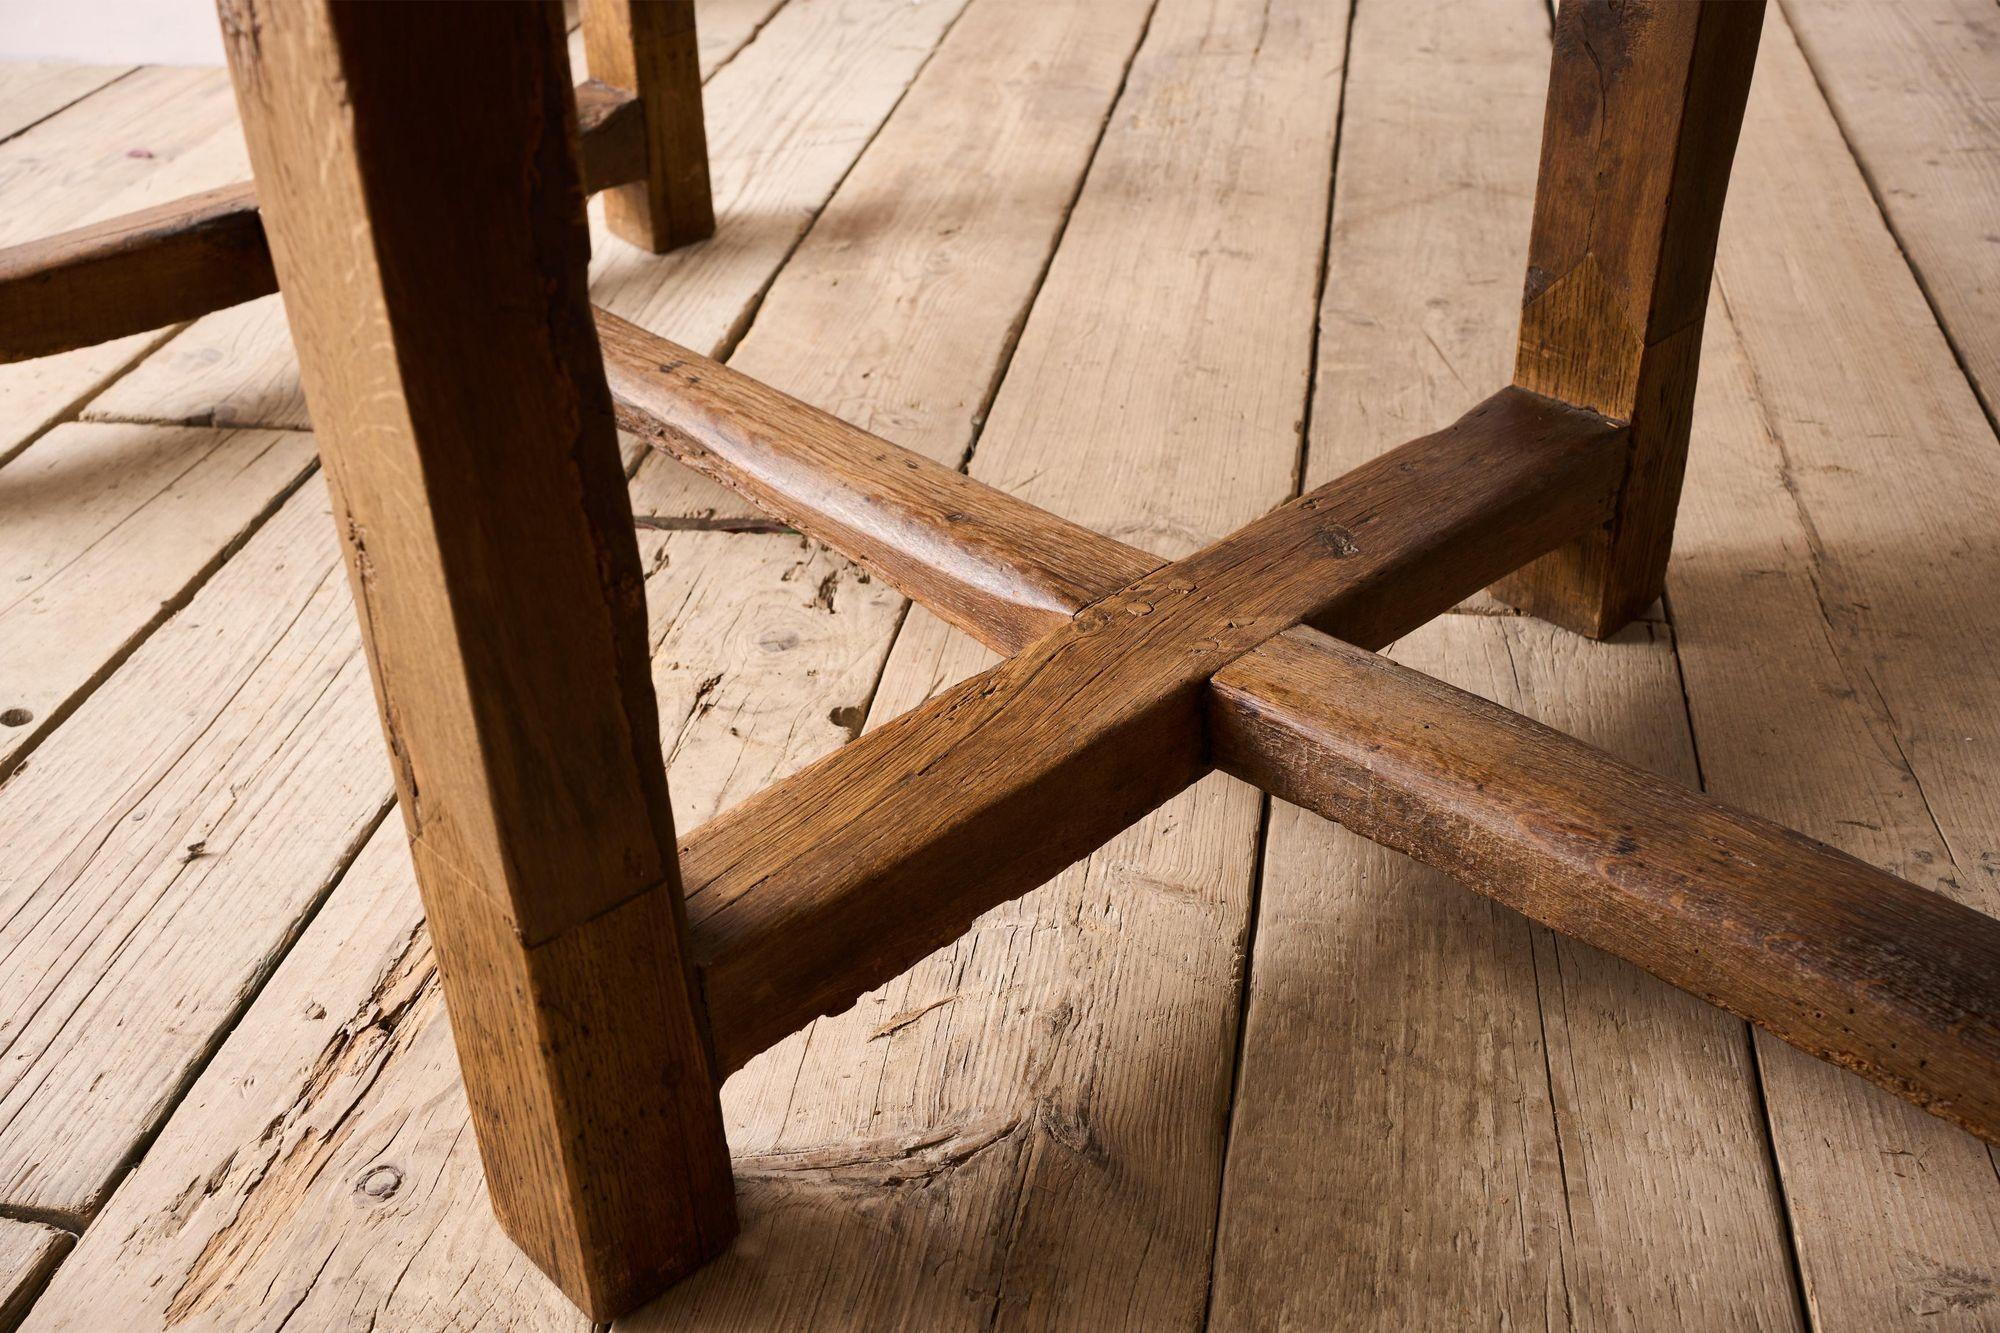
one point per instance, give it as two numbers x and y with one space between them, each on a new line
420 180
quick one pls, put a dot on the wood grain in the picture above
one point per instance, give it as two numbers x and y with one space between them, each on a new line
529 776
1916 90
269 765
1842 483
284 1183
961 1044
35 90
999 568
111 528
180 260
1026 1128
611 126
1916 1017
758 625
161 265
29 1252
163 845
792 109
1842 960
648 48
1643 109
152 136
829 884
1523 1123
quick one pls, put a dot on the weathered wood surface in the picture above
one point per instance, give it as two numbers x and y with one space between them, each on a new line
29 1252
150 137
180 260
1841 499
203 980
1644 102
1848 963
184 257
756 651
1026 1128
33 90
1916 89
801 913
254 1182
1002 570
775 158
472 459
818 1198
1523 1124
138 271
1191 1219
823 887
109 530
162 847
612 128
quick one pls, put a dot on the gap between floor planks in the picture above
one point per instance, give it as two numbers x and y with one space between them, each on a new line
1309 247
699 692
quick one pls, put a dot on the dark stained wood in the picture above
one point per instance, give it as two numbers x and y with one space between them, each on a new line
611 126
157 266
1514 809
830 883
648 47
1842 960
1008 572
184 259
1645 100
467 435
1001 569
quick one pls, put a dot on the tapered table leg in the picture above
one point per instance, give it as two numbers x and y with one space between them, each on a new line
417 173
1645 100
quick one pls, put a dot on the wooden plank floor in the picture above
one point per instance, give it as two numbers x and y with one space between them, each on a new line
1153 264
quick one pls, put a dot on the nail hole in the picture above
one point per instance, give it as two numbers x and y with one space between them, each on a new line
380 1183
16 717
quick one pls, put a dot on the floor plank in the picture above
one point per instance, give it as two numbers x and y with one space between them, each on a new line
1834 579
29 1252
116 525
33 90
1059 1077
737 726
1521 1123
1916 89
247 1204
1025 1129
162 847
152 136
69 897
778 146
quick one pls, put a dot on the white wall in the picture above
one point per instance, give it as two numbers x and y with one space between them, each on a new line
111 32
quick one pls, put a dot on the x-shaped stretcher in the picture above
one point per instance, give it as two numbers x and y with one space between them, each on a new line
420 177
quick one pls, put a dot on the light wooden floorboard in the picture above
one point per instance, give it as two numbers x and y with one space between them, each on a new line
1025 1130
152 136
194 727
1832 590
162 846
1029 1127
110 529
1520 1122
33 90
1916 89
778 146
324 1164
732 739
29 1252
